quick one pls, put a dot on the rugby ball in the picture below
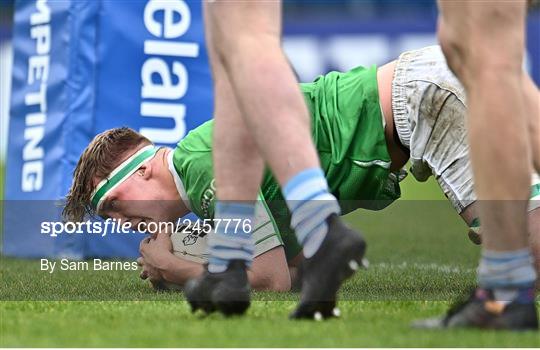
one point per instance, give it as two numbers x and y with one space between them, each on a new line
190 243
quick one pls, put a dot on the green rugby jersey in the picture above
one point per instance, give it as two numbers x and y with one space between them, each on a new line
348 133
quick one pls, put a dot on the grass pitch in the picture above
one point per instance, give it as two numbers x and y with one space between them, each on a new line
420 260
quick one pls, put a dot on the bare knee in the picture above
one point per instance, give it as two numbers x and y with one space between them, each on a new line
474 64
479 39
238 29
452 47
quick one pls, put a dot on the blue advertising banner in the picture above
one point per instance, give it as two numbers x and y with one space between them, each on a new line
36 137
81 67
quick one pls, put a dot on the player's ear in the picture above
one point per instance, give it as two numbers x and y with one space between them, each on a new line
145 171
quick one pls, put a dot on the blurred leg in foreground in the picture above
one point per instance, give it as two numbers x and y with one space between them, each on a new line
261 117
484 44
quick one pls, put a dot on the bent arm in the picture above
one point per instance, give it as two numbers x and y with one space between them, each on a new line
179 271
268 272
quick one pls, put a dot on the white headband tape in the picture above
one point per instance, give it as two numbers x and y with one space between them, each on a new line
120 174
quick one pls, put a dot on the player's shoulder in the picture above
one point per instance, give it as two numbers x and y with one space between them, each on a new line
198 139
192 156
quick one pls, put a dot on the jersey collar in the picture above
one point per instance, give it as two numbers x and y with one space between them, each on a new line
177 180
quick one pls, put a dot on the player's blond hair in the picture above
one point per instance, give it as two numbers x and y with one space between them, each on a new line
106 151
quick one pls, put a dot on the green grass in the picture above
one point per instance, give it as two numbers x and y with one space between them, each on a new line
1 181
170 324
420 260
2 168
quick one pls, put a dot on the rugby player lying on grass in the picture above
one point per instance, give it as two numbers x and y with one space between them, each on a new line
366 124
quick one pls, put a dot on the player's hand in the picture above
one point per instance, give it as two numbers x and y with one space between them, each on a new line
157 251
150 273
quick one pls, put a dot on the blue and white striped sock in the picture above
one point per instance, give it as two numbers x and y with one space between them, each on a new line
506 272
231 239
310 204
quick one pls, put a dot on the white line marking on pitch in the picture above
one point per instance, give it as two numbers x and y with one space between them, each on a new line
419 266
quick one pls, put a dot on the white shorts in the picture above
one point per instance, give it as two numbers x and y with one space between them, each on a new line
429 108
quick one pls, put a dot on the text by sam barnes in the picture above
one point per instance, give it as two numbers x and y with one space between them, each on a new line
93 265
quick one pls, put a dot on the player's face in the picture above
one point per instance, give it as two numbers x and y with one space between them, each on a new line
139 199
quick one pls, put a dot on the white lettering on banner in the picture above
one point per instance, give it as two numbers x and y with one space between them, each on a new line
170 29
38 73
168 48
165 90
172 110
160 79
